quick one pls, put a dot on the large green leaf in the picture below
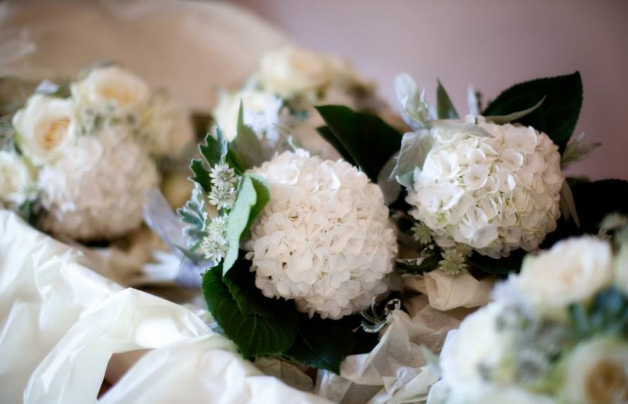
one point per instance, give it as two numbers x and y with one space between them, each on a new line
557 115
214 151
328 135
257 325
246 147
366 138
445 108
322 344
253 195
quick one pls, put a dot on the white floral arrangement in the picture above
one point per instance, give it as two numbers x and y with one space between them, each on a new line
303 259
555 333
481 191
278 101
78 159
292 248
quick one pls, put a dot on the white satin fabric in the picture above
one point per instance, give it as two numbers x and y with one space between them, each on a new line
61 323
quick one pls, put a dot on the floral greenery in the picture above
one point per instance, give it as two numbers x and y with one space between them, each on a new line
551 105
258 325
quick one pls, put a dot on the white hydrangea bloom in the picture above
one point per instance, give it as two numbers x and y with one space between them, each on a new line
97 190
324 239
495 194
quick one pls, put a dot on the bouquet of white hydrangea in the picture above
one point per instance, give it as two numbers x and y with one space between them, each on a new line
290 248
78 159
488 186
556 333
278 101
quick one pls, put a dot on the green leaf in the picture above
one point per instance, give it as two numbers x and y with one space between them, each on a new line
322 344
502 266
577 150
558 114
215 148
328 135
502 119
415 147
367 139
257 325
195 215
253 195
606 314
445 108
201 175
247 150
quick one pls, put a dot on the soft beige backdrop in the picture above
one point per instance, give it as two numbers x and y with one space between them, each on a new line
490 44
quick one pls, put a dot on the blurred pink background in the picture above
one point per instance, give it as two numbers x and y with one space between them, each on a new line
490 44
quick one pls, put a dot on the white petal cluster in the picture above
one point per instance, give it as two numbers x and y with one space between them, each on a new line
572 271
324 239
97 190
16 180
495 194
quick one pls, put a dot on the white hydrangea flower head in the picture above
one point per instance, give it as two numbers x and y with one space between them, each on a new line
97 190
324 239
495 194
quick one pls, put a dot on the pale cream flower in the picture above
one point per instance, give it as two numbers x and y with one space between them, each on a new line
472 352
573 270
111 87
166 127
45 127
291 70
16 180
597 372
324 239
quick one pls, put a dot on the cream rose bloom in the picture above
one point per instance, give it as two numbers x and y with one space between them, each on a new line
167 128
45 127
469 352
290 70
16 180
597 372
111 87
571 271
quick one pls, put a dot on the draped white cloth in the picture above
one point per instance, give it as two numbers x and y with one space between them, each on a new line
60 324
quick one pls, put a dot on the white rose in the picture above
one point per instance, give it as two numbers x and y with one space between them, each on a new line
16 180
44 127
476 348
597 372
111 87
572 271
167 128
289 71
